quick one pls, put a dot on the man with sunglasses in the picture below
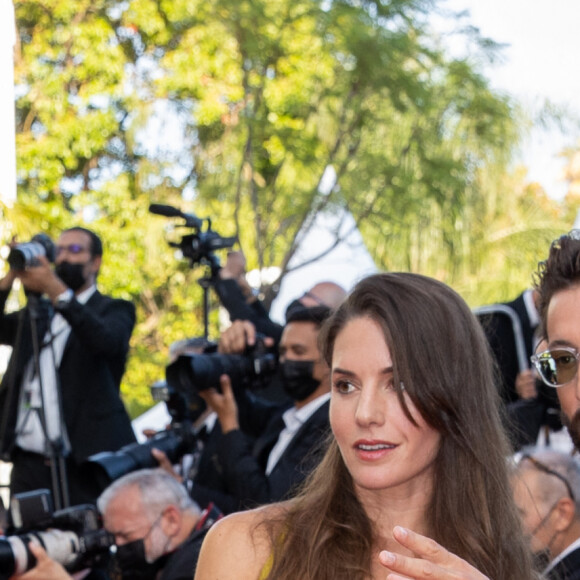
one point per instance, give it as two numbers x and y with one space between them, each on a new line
59 399
546 485
558 283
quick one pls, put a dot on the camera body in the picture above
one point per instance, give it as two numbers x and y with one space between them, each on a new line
200 247
191 373
73 536
26 255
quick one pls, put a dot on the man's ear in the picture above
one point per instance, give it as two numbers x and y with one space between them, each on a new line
96 264
566 512
171 521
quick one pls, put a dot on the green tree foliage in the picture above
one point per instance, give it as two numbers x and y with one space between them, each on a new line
242 106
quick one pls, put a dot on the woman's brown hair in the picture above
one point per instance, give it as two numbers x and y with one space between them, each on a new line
441 356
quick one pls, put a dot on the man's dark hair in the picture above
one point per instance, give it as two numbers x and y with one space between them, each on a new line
561 270
315 314
96 247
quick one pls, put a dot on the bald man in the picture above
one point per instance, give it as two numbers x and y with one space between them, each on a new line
242 304
546 486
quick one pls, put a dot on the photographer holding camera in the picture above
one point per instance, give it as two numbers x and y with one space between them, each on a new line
268 468
157 529
242 304
60 396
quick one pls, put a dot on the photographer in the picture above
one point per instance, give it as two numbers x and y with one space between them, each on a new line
238 298
60 395
268 468
158 529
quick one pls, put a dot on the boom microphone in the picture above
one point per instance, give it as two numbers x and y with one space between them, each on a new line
191 220
166 210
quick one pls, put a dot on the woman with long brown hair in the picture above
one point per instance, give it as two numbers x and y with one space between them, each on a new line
414 483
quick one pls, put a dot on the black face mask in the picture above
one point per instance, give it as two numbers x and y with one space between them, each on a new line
297 378
71 274
131 560
541 559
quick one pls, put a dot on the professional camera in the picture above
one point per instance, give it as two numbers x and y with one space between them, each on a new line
73 536
192 373
27 254
176 441
200 246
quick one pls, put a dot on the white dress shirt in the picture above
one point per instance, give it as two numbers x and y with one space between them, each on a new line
30 434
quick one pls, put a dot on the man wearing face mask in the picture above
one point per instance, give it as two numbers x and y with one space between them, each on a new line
268 468
546 485
158 530
63 405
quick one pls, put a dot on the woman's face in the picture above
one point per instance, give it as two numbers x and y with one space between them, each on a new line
381 447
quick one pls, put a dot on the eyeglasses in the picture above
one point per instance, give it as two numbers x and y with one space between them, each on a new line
71 249
316 299
542 467
557 366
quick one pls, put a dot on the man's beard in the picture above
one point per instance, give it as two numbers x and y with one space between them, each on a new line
573 428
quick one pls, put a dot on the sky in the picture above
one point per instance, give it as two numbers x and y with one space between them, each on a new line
540 62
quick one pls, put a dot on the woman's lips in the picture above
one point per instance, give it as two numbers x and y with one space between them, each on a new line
372 450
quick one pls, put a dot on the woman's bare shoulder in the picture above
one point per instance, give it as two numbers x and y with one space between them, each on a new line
239 545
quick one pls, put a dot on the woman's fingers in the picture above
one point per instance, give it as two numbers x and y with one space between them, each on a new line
430 561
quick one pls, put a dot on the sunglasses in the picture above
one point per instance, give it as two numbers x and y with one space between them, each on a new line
542 467
71 249
557 366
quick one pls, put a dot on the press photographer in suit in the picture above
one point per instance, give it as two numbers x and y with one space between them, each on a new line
59 398
268 468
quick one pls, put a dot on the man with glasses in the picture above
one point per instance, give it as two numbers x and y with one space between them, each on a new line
558 284
247 312
59 399
546 485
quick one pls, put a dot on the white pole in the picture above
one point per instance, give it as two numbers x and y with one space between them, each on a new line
7 124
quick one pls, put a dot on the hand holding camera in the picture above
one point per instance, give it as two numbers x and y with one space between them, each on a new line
46 568
224 404
31 262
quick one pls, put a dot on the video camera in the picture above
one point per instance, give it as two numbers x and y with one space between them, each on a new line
200 246
192 373
27 254
74 536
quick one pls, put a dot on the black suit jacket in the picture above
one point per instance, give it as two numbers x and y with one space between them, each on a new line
244 461
500 334
90 372
234 302
525 417
566 569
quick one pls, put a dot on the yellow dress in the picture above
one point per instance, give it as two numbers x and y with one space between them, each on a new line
267 568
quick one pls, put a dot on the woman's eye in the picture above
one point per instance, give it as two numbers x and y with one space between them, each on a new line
390 385
344 387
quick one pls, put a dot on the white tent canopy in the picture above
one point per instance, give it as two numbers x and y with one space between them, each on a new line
345 264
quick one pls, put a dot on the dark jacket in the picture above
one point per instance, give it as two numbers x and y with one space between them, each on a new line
566 569
90 372
244 461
